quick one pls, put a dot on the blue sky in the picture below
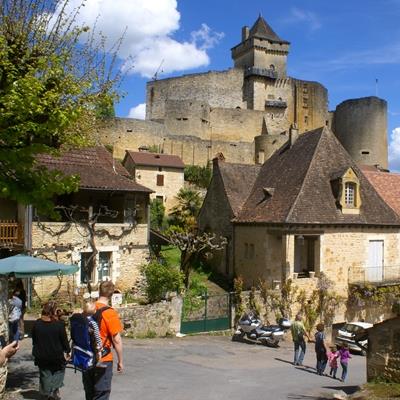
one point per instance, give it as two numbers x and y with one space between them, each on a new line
344 44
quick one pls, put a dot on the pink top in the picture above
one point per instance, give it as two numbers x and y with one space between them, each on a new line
332 359
344 356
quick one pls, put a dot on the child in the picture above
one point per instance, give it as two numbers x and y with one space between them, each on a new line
333 355
344 359
89 310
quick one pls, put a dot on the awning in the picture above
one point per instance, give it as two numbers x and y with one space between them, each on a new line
22 266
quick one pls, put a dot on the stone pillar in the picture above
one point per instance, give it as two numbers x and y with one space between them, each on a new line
3 326
287 256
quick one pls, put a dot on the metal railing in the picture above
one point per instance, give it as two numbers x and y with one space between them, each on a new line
384 274
11 233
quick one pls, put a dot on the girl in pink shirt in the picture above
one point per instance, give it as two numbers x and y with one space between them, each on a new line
333 356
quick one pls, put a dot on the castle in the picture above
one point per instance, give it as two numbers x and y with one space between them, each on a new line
248 111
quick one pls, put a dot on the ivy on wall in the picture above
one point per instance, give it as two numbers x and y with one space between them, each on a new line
361 295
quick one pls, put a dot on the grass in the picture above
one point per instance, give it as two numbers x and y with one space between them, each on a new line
380 390
202 274
172 255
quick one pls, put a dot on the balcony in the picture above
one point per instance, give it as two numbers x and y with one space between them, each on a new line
379 276
11 234
276 103
254 71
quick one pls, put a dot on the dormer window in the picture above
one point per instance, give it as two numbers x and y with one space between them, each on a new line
346 189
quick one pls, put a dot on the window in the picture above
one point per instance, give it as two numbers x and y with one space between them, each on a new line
306 251
160 180
160 199
350 194
249 252
87 270
246 250
306 119
104 267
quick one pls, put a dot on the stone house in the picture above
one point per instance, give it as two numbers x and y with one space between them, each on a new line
383 358
162 173
228 189
312 210
103 227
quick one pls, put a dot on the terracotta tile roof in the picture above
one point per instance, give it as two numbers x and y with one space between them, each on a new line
96 169
153 159
238 180
262 30
387 184
294 187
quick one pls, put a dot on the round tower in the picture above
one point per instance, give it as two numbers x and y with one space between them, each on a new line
361 127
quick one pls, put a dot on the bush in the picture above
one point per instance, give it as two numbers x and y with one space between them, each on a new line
161 279
157 214
199 176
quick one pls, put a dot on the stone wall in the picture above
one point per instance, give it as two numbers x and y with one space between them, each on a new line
3 327
160 319
173 182
218 89
383 359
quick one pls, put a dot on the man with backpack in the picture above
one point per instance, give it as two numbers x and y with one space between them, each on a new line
97 381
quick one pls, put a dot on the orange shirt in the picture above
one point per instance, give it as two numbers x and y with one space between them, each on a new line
110 325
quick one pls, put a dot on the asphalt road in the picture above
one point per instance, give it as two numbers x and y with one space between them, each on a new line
198 368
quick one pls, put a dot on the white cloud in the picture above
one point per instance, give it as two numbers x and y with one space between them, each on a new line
150 26
306 17
394 149
138 112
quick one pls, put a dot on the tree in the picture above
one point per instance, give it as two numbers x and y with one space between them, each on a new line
192 245
157 214
56 80
184 213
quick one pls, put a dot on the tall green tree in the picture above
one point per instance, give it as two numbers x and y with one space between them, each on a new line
185 212
56 80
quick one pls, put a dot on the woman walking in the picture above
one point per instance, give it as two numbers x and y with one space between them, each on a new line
321 349
50 349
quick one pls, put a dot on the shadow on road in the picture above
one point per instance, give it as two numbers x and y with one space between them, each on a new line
347 389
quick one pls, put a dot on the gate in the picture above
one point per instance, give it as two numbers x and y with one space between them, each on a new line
206 313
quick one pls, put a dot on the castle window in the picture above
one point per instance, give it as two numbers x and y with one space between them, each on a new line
306 119
350 194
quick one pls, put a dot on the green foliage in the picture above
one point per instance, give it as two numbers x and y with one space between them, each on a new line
360 295
321 305
287 299
270 299
238 298
185 212
253 304
197 175
157 214
154 148
161 279
53 82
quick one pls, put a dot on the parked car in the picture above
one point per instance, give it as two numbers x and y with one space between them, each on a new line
355 334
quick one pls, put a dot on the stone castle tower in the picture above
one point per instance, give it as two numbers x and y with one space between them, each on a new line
246 112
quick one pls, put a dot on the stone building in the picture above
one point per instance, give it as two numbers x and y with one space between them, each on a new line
383 358
198 115
310 210
109 214
229 187
162 173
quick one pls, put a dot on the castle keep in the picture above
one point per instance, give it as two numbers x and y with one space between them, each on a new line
247 112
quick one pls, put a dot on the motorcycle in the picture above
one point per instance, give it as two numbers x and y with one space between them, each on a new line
251 327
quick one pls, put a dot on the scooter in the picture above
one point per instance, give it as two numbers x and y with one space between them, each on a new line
251 327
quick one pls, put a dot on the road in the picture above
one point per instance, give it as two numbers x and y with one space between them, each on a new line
198 368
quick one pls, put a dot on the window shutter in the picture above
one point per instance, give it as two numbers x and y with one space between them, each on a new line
160 180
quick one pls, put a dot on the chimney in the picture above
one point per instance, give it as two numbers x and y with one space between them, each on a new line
245 33
293 134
